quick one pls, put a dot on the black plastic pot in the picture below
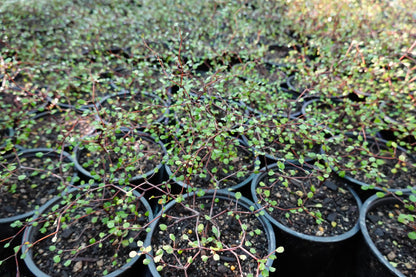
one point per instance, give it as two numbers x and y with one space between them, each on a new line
135 98
128 269
291 84
308 255
154 174
222 195
7 134
6 230
371 261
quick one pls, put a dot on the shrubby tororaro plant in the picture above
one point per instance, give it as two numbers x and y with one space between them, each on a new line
220 230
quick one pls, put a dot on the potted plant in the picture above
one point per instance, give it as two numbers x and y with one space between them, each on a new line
282 138
339 115
311 210
387 222
123 156
206 232
90 230
55 128
222 162
133 110
370 162
30 179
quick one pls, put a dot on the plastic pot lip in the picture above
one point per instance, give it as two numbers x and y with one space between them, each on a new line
232 188
386 117
146 136
124 92
223 194
331 239
335 100
10 134
47 151
289 83
30 152
29 253
362 184
367 206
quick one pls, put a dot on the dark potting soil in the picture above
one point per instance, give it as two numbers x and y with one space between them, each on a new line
86 240
31 182
331 211
276 54
133 159
217 174
390 237
189 225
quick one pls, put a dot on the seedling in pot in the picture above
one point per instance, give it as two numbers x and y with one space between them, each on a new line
204 233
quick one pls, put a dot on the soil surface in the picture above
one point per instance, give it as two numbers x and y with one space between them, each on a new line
31 181
390 237
331 210
183 223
